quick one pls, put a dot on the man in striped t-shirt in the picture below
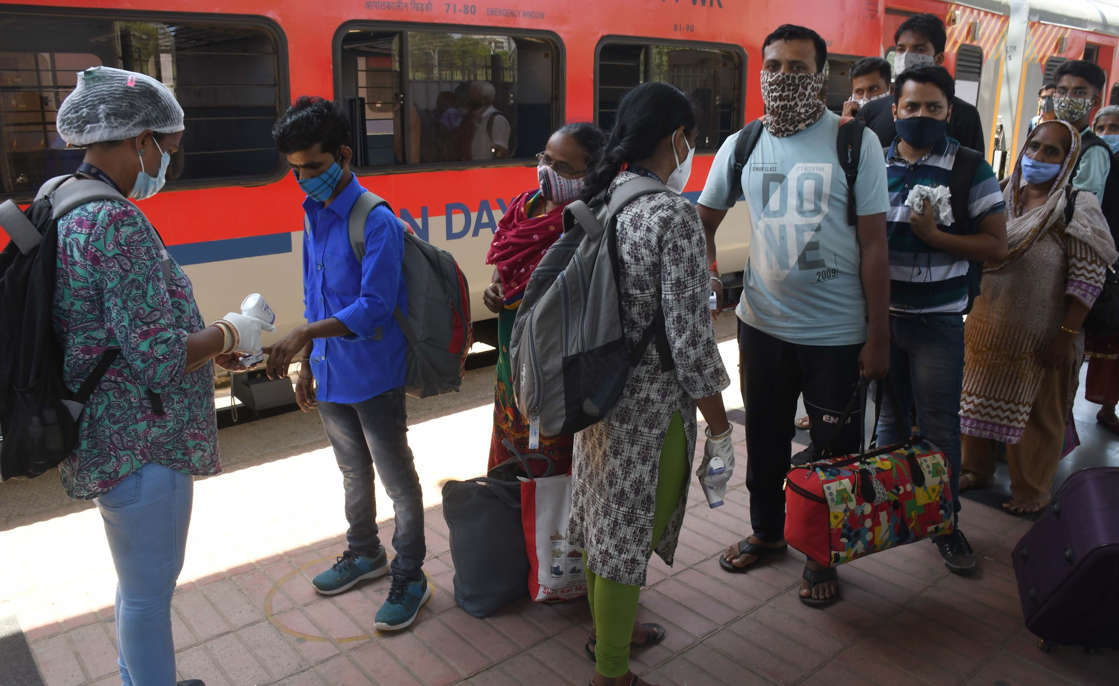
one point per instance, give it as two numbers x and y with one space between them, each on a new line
931 274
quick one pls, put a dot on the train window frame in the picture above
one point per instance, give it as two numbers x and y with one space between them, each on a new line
970 48
267 24
559 79
648 41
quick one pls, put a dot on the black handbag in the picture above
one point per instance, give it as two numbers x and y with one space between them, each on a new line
487 542
1103 318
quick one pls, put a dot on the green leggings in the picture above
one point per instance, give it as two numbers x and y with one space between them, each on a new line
614 605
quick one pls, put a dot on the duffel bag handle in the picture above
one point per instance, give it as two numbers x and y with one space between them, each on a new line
859 396
500 489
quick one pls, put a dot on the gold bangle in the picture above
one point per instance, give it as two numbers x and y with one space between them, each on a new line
1068 330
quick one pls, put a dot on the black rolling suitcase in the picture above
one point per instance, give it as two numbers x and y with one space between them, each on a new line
1068 564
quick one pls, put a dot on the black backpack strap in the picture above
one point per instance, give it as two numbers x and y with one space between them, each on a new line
848 146
959 185
90 384
1070 203
743 147
657 334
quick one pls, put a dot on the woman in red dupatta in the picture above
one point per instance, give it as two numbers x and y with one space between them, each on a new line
533 222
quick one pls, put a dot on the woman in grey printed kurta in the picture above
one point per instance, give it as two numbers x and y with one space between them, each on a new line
149 425
630 471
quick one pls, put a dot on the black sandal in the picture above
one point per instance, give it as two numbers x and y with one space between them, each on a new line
815 577
760 553
654 634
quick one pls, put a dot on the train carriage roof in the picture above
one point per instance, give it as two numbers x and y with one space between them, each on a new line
1092 15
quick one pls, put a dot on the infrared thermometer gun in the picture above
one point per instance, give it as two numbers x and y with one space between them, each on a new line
254 305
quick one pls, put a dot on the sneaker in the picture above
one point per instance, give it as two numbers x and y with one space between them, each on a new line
956 551
350 569
190 682
406 597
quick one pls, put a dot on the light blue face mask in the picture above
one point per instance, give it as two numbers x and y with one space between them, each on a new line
1038 172
147 185
1112 140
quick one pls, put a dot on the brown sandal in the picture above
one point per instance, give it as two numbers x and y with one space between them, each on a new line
1025 509
971 481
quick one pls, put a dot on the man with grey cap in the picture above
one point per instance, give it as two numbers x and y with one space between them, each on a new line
150 425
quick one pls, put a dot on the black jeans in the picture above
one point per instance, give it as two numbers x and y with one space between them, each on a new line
773 372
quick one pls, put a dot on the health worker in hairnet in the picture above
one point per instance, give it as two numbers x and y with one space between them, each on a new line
149 426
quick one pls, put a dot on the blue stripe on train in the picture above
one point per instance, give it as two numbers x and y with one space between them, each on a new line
231 249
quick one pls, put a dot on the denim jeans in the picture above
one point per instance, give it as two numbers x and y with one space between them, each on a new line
773 373
146 519
926 375
373 434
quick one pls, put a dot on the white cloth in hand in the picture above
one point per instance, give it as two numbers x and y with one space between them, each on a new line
717 466
248 331
939 198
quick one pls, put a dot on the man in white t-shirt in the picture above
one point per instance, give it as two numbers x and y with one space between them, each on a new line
814 313
491 127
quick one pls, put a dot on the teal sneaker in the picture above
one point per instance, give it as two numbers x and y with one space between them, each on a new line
349 570
406 597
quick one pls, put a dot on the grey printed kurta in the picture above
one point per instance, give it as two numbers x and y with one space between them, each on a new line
662 260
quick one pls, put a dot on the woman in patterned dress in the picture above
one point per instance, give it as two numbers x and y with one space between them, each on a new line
1022 341
534 221
630 471
150 424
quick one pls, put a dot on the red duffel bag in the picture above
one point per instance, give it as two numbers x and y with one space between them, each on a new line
839 509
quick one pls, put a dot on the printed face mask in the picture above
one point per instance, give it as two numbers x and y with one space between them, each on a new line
559 189
921 132
862 102
904 61
1038 172
792 102
147 185
321 187
1070 109
683 171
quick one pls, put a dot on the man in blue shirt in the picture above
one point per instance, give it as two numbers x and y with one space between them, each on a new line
932 272
353 358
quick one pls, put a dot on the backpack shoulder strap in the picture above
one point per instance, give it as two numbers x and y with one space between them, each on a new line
630 191
18 227
68 196
1070 203
50 185
743 147
359 215
849 146
959 183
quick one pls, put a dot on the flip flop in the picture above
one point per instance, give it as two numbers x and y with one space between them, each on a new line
819 576
745 547
654 634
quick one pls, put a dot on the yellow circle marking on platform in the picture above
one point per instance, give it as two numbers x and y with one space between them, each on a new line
269 612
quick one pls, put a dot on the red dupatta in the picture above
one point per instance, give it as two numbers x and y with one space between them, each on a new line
521 242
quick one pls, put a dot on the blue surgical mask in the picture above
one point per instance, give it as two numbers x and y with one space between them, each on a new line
147 185
1112 140
1038 172
921 132
321 187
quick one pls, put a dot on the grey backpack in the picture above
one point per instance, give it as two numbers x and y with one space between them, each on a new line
438 323
568 352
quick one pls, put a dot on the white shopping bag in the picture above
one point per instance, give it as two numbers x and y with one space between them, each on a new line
555 567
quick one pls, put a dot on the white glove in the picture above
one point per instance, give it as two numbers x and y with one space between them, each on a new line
248 331
717 466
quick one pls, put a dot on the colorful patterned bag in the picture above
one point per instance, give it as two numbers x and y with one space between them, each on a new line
839 509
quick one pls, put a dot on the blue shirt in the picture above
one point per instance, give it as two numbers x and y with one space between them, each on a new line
802 278
352 369
923 279
1091 173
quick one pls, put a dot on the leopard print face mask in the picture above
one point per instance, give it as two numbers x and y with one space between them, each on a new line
792 102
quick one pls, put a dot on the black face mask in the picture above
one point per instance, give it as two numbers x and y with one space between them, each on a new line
922 132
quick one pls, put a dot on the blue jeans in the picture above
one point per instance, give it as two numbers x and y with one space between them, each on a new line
372 434
146 519
926 375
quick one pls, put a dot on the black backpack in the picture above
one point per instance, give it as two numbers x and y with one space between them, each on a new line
959 183
38 415
848 146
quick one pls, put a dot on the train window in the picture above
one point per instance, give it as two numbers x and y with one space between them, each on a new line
1051 66
430 96
712 77
225 75
1092 53
969 70
837 88
1114 99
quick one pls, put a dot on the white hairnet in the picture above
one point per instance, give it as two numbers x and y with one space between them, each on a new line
113 104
